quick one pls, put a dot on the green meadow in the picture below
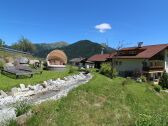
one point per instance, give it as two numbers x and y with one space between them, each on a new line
105 102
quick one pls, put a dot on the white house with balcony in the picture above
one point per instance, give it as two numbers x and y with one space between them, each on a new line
150 61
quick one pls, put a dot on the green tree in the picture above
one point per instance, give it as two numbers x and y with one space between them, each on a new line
164 80
25 45
106 70
2 43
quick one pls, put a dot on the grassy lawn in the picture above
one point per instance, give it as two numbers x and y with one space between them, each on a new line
6 83
105 102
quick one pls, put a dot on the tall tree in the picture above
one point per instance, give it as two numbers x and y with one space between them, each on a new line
2 43
114 59
25 45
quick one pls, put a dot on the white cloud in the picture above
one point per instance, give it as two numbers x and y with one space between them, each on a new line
103 27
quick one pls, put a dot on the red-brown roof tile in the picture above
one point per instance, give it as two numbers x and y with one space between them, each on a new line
146 53
99 57
149 51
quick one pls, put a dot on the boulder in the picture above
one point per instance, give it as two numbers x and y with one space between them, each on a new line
3 94
8 64
22 60
65 78
38 87
139 80
49 82
14 91
23 87
7 114
7 100
30 87
33 61
28 93
45 83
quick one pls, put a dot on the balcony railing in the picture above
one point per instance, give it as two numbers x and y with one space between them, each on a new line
153 68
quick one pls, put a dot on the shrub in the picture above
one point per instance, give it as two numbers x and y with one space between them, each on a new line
1 64
164 80
107 70
136 73
157 88
71 69
8 59
44 65
22 108
143 78
81 69
144 120
125 82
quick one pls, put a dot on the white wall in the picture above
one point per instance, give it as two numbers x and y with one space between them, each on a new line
130 65
166 60
88 65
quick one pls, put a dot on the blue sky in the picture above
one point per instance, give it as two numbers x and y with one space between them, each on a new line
72 20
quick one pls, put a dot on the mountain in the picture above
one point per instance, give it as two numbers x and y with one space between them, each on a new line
82 48
42 49
51 45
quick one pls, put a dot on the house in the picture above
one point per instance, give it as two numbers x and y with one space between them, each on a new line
89 64
98 59
77 61
150 61
82 62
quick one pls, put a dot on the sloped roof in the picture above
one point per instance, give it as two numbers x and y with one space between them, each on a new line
77 59
148 51
99 57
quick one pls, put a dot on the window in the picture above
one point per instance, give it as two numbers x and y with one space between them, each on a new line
122 53
120 62
132 52
144 63
159 74
116 62
151 64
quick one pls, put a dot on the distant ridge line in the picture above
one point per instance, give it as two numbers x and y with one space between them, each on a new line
13 51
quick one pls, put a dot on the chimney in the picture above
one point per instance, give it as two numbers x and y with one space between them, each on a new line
140 44
102 51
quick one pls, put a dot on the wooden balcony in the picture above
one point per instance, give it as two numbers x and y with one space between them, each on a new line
153 68
153 65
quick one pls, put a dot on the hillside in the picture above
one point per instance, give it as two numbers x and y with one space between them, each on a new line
105 102
43 48
83 48
7 52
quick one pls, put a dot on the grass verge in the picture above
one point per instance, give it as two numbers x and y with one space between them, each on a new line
105 102
6 83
